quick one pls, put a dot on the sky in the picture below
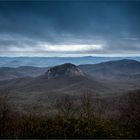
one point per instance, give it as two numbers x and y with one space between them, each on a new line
70 28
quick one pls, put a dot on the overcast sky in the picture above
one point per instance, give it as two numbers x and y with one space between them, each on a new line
64 28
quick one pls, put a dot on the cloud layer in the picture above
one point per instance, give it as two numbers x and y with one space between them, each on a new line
68 28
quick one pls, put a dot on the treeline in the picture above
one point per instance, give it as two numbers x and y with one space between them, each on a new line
73 120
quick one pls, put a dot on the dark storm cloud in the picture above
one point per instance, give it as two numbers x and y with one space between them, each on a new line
27 24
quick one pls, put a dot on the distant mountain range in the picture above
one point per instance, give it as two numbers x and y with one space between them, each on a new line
53 61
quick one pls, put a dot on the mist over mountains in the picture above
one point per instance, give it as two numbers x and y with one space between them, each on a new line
53 61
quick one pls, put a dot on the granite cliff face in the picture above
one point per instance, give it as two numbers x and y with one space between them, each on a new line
65 70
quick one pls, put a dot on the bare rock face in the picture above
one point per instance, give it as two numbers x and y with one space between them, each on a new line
67 69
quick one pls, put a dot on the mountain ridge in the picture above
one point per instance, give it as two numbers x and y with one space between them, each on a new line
112 69
66 69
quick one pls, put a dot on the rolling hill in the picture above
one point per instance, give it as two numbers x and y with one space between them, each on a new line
7 73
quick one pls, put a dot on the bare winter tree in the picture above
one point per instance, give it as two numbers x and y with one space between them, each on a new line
86 105
65 106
